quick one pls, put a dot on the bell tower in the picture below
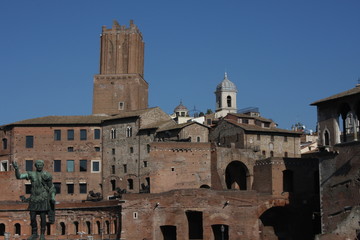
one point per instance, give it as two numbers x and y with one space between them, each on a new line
120 86
225 97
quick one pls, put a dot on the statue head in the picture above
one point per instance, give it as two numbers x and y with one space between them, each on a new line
39 165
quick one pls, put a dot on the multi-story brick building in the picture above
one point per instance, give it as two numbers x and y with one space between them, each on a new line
170 181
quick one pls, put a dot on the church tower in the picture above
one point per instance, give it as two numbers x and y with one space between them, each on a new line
225 98
120 86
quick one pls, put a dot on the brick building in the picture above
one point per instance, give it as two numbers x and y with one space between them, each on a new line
338 124
169 181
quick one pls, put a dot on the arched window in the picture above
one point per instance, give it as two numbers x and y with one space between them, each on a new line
128 131
326 138
113 133
198 139
228 100
88 226
130 184
107 227
76 227
4 143
115 227
98 225
17 227
148 148
63 228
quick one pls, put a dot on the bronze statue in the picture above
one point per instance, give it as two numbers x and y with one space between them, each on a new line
42 198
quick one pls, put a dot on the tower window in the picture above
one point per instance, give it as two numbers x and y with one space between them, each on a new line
129 131
113 133
228 100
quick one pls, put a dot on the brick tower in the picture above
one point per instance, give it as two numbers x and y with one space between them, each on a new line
120 86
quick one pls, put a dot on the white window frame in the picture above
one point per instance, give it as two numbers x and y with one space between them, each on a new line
92 166
2 169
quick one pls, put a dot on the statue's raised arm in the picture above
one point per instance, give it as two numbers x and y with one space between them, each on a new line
18 175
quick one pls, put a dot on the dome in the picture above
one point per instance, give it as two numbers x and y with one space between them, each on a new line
226 85
181 108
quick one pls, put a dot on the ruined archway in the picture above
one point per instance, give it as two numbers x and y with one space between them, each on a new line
236 176
276 223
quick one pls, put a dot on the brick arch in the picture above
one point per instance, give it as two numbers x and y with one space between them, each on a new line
237 176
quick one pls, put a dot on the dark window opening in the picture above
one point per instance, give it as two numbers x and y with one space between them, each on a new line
107 227
228 100
57 165
2 229
27 189
168 232
98 225
70 188
29 142
63 228
70 149
76 227
220 231
57 135
83 134
327 138
130 184
96 133
4 143
113 184
113 169
83 188
70 134
29 165
195 224
88 227
83 165
17 228
125 168
48 228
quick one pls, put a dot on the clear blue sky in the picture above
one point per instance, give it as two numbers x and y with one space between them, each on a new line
281 54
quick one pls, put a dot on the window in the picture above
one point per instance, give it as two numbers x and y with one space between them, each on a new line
258 137
131 150
113 133
70 165
208 121
27 188
83 134
148 148
83 188
57 186
70 188
4 166
113 151
267 125
95 166
4 143
113 169
245 120
272 137
130 184
70 134
17 228
125 168
29 165
198 139
96 133
70 149
128 131
57 165
326 138
57 135
271 153
97 149
145 163
76 226
228 100
83 165
285 139
286 154
29 142
113 184
121 105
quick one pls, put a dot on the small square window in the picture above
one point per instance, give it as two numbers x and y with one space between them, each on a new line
97 149
70 149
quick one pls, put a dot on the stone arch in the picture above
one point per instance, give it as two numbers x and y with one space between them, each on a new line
237 176
62 228
275 223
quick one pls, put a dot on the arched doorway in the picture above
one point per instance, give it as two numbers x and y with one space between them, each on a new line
276 222
2 229
221 231
236 176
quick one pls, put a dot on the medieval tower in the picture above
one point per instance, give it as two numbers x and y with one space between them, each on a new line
120 86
